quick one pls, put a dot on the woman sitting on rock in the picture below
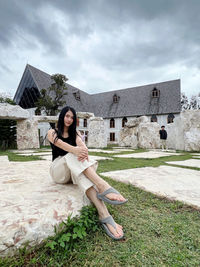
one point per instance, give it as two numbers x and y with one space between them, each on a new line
71 162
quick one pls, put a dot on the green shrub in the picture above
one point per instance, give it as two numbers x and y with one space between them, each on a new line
69 233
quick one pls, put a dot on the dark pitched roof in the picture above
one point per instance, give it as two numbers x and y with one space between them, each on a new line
138 101
43 80
134 101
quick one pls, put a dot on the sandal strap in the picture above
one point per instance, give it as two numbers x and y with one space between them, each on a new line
109 220
109 190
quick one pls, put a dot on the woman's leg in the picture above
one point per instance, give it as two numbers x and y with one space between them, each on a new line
103 212
101 184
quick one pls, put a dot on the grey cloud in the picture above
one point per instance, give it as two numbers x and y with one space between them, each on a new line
162 32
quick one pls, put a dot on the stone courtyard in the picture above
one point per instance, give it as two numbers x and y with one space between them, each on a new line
31 203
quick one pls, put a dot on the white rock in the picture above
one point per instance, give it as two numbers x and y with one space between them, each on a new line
12 112
96 133
184 133
148 135
27 134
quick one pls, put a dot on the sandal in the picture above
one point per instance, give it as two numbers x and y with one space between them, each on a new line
109 220
103 197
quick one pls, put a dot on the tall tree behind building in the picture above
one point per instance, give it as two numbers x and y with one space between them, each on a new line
51 99
184 102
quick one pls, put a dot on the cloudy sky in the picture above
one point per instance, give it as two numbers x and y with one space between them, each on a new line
101 45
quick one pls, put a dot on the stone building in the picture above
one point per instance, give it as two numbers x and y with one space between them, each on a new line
160 102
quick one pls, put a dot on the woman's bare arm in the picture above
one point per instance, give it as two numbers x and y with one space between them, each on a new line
79 151
80 143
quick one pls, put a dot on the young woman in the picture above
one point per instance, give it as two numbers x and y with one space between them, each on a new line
71 162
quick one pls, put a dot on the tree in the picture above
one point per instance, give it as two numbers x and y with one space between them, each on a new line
51 99
184 102
198 101
8 127
193 102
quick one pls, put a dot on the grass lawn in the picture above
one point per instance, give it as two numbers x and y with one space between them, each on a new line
158 232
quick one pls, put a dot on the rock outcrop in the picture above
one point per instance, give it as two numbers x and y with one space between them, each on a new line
96 133
148 135
184 133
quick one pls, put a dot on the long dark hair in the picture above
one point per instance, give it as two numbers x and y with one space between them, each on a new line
72 128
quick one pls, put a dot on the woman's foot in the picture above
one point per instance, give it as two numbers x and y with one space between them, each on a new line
116 231
111 196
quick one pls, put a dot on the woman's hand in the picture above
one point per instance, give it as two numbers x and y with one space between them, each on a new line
81 152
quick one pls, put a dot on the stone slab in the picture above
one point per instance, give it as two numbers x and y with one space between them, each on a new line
171 182
102 150
4 159
49 157
123 150
31 203
35 154
148 155
13 112
26 151
196 157
189 163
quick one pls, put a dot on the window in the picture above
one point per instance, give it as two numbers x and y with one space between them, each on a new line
77 122
85 123
86 136
155 93
154 118
112 136
124 120
112 123
170 118
77 95
116 98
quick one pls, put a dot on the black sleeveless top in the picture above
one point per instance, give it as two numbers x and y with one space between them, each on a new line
56 151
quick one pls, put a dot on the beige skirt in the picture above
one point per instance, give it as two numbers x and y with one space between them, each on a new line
65 169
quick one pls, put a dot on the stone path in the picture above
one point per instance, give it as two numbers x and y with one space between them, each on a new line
189 163
149 154
31 204
171 182
123 150
102 151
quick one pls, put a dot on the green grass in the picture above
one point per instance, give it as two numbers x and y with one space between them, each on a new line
158 232
15 157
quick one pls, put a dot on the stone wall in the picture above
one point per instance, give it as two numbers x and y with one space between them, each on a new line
183 134
96 133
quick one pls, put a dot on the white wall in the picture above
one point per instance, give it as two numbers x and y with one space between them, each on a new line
162 120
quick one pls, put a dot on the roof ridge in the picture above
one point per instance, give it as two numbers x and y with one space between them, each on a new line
135 87
28 66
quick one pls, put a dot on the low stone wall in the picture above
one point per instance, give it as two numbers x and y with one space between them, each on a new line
27 126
